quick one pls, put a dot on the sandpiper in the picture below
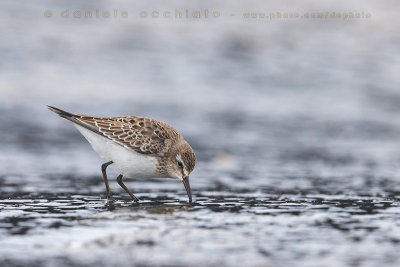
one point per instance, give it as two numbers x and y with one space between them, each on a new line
136 147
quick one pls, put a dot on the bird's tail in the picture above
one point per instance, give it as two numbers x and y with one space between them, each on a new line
61 113
77 119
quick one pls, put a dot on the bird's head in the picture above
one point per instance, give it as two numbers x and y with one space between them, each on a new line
181 162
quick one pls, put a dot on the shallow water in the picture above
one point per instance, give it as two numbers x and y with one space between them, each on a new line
257 227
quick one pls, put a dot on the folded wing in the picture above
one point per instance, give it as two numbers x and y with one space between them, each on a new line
143 135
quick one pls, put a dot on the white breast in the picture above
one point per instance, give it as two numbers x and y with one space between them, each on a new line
126 162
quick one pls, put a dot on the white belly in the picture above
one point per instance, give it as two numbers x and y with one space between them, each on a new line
126 162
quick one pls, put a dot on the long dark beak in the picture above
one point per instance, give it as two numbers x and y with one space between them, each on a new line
185 181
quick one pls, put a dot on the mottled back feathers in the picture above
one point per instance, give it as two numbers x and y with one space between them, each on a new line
142 135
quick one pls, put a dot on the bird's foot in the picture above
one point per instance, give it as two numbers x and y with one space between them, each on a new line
110 198
134 198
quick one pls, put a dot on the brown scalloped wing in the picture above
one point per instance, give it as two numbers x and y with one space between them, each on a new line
142 135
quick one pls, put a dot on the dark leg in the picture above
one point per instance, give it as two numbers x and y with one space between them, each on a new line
103 170
119 179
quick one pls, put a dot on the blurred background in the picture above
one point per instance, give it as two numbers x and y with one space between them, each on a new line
273 107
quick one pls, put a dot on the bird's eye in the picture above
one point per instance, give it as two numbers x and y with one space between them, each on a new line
180 164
